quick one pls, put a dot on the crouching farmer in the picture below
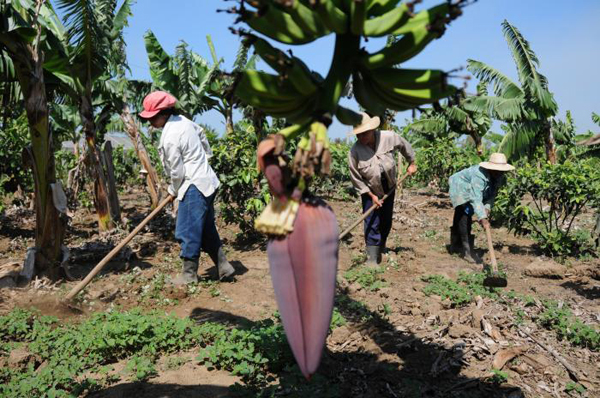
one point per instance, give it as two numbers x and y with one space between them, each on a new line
472 191
184 152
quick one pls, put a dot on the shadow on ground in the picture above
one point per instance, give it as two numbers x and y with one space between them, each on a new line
151 390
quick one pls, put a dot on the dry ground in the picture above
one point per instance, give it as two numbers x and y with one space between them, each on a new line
404 344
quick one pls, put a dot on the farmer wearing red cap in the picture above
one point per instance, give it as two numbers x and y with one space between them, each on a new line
184 151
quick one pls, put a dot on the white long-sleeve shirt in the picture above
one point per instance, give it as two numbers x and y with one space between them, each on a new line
184 151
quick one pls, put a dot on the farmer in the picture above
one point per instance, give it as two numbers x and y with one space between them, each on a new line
472 191
373 174
184 152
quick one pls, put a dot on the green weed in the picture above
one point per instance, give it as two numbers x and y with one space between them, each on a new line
368 278
499 377
568 327
460 292
141 368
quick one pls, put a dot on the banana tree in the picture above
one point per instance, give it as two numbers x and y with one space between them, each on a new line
186 75
94 34
526 108
453 118
304 242
31 35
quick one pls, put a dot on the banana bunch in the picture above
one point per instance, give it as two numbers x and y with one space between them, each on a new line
308 101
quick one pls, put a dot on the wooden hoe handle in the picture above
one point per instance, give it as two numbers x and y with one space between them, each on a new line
81 285
488 233
366 214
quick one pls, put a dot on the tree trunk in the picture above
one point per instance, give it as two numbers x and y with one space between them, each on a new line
549 144
50 224
101 202
228 120
113 197
152 181
478 143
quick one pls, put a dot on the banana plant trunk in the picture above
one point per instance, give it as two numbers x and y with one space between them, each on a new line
50 226
101 201
113 197
152 181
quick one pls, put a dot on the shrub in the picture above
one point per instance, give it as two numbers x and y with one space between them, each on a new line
442 158
14 137
546 201
243 192
126 166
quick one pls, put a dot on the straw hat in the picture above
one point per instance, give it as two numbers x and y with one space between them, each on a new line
368 123
497 162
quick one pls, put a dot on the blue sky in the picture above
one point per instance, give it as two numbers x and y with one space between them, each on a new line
564 35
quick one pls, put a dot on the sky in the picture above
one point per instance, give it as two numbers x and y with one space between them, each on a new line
563 34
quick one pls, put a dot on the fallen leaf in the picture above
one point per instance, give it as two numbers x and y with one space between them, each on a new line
505 355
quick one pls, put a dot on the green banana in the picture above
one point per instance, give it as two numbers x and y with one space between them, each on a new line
410 98
290 132
366 98
388 22
408 78
410 45
301 77
332 17
278 25
261 25
306 18
291 67
380 7
358 14
348 116
424 17
266 85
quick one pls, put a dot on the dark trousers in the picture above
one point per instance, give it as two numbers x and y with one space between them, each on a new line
461 225
195 228
378 224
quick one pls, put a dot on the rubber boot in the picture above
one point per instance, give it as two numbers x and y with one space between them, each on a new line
373 256
224 268
466 252
455 243
189 273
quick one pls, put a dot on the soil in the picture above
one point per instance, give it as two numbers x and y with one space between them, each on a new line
412 345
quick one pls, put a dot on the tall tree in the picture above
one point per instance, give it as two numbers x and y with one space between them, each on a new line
527 107
31 35
94 35
454 118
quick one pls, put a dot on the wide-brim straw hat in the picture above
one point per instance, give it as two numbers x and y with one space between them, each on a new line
368 123
497 162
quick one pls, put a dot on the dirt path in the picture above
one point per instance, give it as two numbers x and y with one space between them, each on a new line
396 341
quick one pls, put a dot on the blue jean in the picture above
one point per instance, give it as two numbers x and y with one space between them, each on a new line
378 224
195 228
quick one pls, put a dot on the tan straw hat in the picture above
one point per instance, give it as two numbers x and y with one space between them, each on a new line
368 123
497 162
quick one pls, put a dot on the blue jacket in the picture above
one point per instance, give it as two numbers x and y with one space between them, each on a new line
475 186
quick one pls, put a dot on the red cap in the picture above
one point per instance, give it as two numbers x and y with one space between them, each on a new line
156 102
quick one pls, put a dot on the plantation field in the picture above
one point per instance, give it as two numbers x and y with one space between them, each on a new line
421 325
